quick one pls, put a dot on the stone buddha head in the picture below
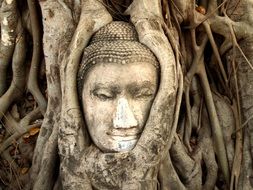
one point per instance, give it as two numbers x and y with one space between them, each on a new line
117 83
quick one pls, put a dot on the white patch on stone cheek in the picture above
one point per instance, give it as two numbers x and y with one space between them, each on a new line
124 117
9 1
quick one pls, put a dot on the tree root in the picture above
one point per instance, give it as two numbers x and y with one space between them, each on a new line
236 168
30 117
199 68
8 142
244 178
45 179
216 129
42 161
188 122
45 153
242 31
186 167
168 177
10 124
32 85
19 77
20 128
9 21
216 51
13 139
208 154
13 167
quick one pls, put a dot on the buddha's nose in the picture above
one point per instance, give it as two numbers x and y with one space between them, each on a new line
124 117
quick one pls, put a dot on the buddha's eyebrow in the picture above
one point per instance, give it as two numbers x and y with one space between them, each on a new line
134 87
106 86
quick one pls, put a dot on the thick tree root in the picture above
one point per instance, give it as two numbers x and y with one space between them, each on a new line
9 21
208 155
33 86
242 82
186 167
16 136
17 86
168 177
52 48
199 68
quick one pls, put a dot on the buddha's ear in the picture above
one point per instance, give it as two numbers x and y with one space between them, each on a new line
160 127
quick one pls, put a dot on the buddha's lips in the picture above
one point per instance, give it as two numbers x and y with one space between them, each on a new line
124 132
124 138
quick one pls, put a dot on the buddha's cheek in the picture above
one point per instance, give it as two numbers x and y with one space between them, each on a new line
98 116
98 127
141 110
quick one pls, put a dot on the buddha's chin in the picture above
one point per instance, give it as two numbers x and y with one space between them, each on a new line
126 145
123 144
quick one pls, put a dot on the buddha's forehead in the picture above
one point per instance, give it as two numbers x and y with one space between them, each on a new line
116 74
117 43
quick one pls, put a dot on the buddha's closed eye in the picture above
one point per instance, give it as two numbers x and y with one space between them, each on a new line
104 94
144 93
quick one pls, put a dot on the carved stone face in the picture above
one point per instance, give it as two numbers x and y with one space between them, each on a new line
116 103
